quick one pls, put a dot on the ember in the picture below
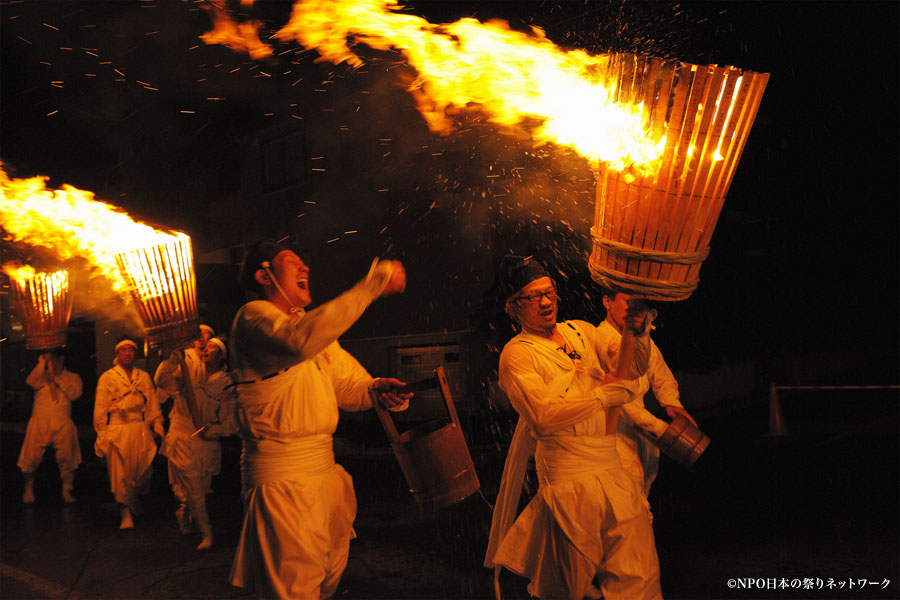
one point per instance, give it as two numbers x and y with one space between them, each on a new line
519 79
154 267
71 223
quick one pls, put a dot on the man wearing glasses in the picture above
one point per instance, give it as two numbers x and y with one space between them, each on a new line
588 518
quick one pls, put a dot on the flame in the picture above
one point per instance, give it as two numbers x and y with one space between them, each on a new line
18 272
72 224
164 290
717 154
41 291
160 270
243 37
515 77
27 280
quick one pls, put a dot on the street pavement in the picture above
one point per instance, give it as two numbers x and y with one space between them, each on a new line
817 508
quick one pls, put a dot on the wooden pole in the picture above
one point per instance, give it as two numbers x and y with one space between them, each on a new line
189 396
625 358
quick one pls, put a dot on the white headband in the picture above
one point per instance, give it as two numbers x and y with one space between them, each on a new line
131 343
220 344
208 328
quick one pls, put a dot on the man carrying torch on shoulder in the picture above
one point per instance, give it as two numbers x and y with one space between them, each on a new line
292 376
55 388
588 518
193 459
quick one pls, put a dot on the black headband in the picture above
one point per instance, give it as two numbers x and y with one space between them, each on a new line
518 271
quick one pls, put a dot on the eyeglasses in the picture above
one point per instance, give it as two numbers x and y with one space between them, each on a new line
536 297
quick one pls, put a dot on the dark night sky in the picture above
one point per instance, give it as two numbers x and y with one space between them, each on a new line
805 256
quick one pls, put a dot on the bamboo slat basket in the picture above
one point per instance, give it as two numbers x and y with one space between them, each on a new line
652 231
44 307
164 289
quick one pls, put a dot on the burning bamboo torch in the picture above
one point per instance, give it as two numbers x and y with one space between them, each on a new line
159 274
652 229
44 305
164 289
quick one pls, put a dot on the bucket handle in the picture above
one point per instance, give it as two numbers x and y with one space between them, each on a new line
445 394
390 428
386 422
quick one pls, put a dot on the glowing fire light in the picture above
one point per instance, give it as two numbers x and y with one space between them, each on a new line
164 288
43 304
514 76
651 234
155 267
71 223
242 37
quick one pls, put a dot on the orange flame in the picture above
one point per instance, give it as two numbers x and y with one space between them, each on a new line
71 223
514 76
43 304
164 289
18 272
160 270
243 37
43 289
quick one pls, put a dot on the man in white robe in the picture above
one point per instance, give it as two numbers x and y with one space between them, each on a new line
206 334
55 388
125 410
292 377
219 390
639 455
588 518
193 458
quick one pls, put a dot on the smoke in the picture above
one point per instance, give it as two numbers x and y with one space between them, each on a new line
92 293
94 299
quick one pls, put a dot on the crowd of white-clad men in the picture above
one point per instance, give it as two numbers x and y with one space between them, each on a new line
129 423
587 533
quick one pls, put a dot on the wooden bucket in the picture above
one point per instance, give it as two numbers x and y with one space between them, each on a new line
682 442
434 457
164 289
44 306
652 230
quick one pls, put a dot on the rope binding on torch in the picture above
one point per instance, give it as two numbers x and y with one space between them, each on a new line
660 256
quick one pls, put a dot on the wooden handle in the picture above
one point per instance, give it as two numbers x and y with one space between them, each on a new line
387 422
622 370
51 383
189 397
445 394
626 354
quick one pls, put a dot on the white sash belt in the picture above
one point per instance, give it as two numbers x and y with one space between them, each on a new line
117 418
267 461
559 459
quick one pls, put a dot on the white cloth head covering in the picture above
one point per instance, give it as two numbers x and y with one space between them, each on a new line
220 344
126 342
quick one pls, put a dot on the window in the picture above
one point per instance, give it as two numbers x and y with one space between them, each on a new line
284 161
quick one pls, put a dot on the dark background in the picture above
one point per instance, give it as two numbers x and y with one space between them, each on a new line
801 284
805 255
